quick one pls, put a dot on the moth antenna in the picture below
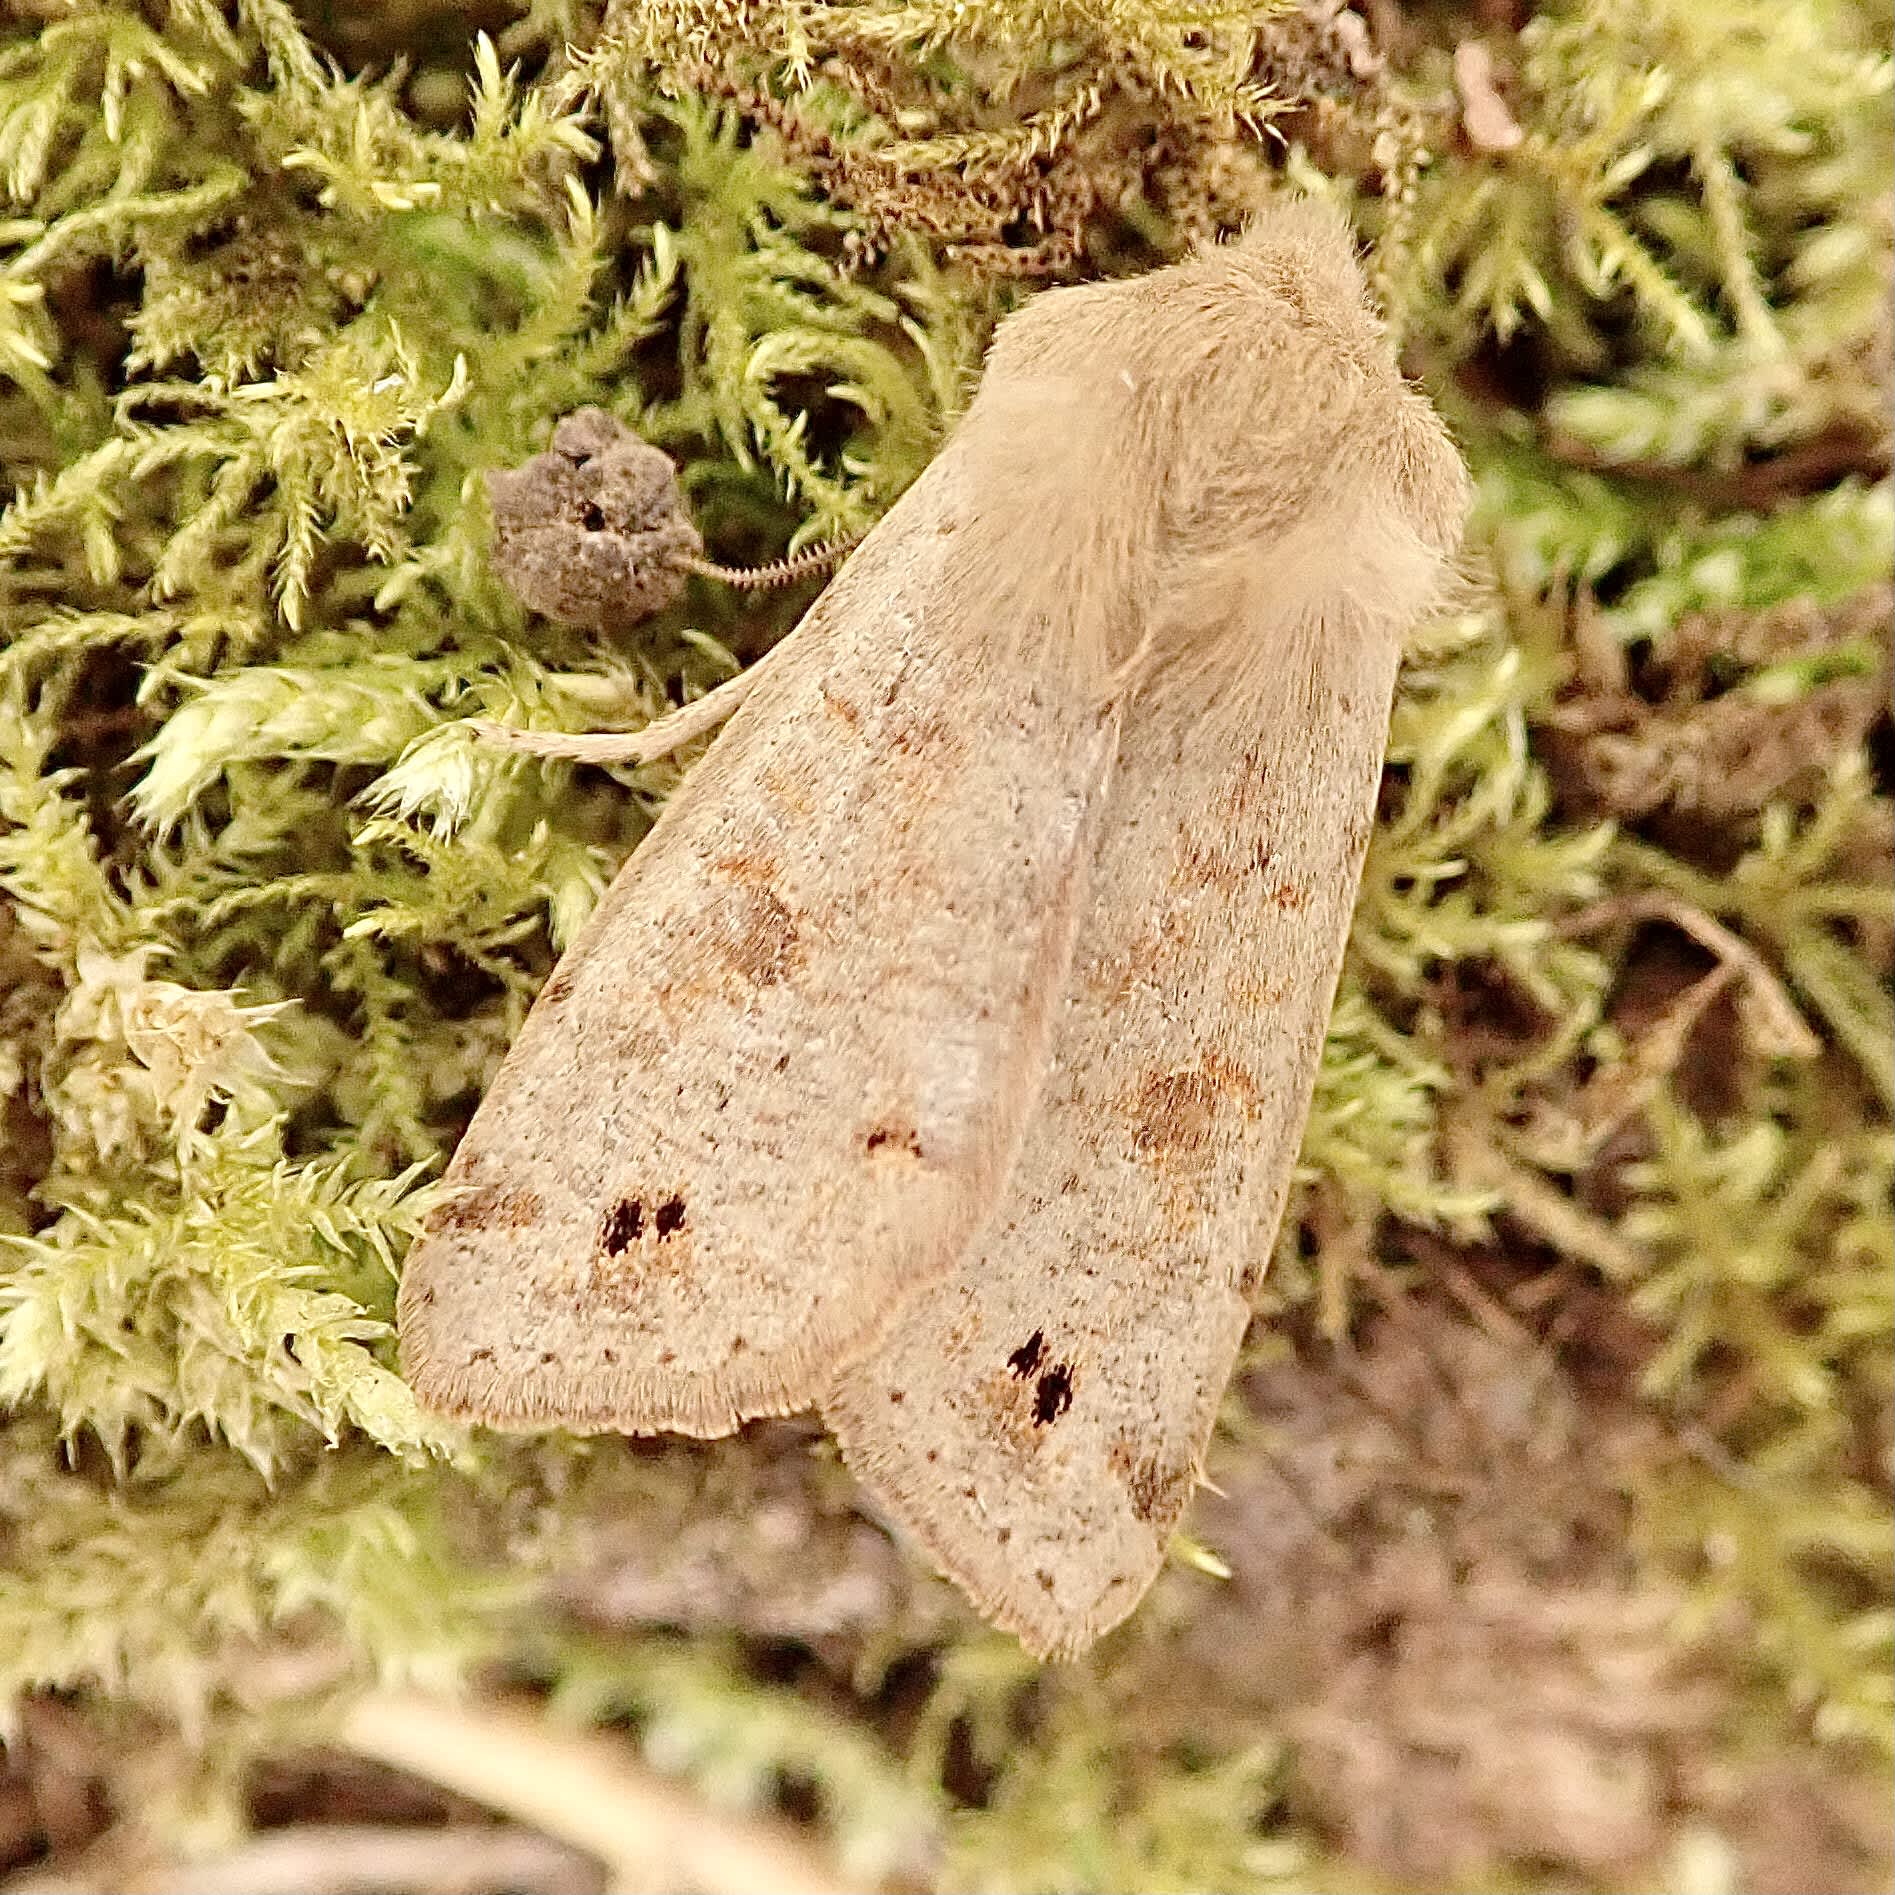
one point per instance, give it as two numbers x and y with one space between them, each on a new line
779 572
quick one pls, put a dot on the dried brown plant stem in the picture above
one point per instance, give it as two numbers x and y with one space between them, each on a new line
1538 1206
330 1859
1779 1028
588 1790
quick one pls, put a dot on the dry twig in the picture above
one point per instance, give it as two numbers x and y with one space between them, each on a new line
591 1792
329 1859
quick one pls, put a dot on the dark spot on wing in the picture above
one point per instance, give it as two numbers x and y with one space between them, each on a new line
1146 1491
909 734
1053 1396
633 1239
757 935
623 1224
1381 1636
894 1138
1025 1359
1173 1111
489 1207
1149 1488
754 867
840 707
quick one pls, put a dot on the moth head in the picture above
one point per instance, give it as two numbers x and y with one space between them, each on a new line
1301 252
1317 453
1230 430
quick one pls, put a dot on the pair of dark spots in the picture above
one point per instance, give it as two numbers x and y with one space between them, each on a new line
1053 1393
625 1223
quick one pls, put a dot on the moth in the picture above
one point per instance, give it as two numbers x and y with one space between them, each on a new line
940 1059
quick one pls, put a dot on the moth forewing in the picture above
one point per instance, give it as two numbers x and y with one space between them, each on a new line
1038 1418
776 1081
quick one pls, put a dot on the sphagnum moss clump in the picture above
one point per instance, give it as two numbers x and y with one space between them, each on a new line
1574 1363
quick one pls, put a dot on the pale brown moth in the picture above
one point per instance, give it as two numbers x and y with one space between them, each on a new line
941 1058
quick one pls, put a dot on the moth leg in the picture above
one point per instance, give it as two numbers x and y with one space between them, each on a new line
657 739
